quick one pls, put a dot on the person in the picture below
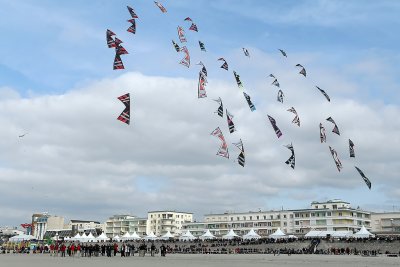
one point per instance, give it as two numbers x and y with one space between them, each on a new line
152 249
142 249
163 250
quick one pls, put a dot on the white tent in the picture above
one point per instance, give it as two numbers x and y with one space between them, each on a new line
207 235
167 236
278 234
251 235
150 236
23 237
187 236
230 235
84 238
77 237
314 233
116 238
90 237
363 233
126 236
102 237
135 236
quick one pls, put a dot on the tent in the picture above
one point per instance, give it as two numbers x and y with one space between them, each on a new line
251 235
19 238
77 237
187 236
363 233
278 234
150 236
230 235
90 237
102 237
116 238
314 233
207 235
135 236
126 236
167 236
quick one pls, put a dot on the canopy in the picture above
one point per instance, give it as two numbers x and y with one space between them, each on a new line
150 236
116 238
23 237
102 237
363 233
135 236
230 235
251 235
126 236
90 237
187 236
278 234
167 236
314 233
207 235
77 237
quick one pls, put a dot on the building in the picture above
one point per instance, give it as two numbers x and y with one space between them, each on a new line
386 222
160 222
55 222
85 226
120 224
39 224
196 228
333 215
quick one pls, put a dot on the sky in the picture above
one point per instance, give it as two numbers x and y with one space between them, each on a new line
58 86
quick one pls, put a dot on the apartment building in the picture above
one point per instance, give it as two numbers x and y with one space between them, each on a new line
160 222
385 222
120 224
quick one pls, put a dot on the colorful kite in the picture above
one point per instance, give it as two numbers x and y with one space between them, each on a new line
225 65
201 87
181 34
237 78
280 96
292 160
322 135
325 94
118 65
336 159
335 128
246 52
132 28
186 60
188 19
231 125
366 180
223 149
220 110
120 50
193 27
110 40
303 70
252 107
203 69
241 159
351 148
283 52
125 115
161 7
296 119
132 12
202 47
176 46
276 129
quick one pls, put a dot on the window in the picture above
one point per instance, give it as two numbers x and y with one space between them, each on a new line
237 219
271 217
284 216
251 218
291 216
296 223
312 214
334 207
278 216
340 214
244 218
329 213
324 206
316 206
231 218
265 217
284 224
258 217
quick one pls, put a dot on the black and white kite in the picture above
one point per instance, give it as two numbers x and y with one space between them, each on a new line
336 158
296 119
176 46
231 125
366 180
201 87
246 52
292 160
325 94
275 82
237 78
220 110
225 65
283 52
202 47
241 159
303 70
280 96
251 105
351 148
335 128
322 134
276 129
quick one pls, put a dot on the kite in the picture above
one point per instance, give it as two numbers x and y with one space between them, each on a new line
280 96
193 27
125 115
246 52
177 48
203 69
117 41
276 129
161 7
188 19
292 160
220 110
241 158
296 119
132 12
336 159
186 60
283 52
322 135
325 94
366 180
132 28
201 87
303 70
120 50
351 148
251 105
202 47
229 118
275 82
110 40
335 129
225 65
181 34
22 135
237 78
118 64
223 149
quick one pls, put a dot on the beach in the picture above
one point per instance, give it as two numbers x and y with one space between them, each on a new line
198 260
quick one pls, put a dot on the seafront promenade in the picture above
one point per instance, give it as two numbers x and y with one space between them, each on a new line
199 260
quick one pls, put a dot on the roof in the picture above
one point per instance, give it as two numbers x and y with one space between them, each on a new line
174 211
82 221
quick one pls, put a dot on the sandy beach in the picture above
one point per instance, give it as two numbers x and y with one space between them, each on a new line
179 260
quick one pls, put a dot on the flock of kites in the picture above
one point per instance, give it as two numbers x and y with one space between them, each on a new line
114 42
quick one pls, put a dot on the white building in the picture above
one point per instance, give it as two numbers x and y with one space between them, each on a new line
120 224
160 222
386 222
85 226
